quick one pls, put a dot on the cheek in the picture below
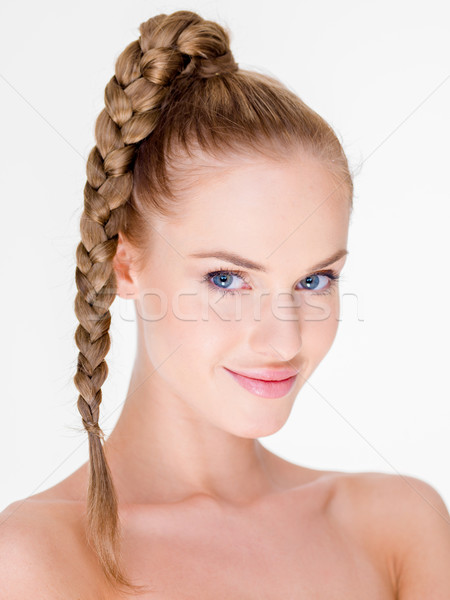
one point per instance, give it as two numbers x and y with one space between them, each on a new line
320 321
196 326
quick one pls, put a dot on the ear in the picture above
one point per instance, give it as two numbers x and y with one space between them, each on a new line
122 264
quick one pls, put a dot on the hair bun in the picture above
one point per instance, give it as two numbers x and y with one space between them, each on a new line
204 45
208 67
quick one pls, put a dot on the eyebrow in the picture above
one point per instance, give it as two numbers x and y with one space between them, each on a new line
240 261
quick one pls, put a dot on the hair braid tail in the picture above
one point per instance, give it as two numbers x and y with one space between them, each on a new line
133 99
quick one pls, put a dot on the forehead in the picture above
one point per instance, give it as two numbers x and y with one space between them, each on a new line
255 206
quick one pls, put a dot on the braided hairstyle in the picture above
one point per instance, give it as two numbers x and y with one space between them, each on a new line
175 88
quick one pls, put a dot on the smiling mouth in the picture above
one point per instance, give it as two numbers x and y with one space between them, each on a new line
263 387
266 374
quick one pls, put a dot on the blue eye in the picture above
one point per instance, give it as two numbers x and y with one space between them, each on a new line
312 281
223 279
330 276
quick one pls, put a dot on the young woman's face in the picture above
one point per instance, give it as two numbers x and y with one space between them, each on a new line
201 316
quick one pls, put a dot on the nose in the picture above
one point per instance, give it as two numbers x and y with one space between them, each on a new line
275 332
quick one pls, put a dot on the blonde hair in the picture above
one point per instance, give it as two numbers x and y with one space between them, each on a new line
176 90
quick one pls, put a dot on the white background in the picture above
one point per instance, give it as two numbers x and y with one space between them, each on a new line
378 72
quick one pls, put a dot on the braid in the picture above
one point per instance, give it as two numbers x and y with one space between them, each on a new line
169 47
164 93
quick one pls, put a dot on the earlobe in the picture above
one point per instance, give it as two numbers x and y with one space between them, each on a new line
122 264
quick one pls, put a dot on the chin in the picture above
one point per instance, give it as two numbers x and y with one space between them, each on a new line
262 429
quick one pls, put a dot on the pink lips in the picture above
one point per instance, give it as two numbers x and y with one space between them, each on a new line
266 382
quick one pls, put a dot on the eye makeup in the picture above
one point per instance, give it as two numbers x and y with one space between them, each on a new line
330 274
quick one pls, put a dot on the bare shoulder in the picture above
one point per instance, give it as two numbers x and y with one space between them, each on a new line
26 553
41 551
405 523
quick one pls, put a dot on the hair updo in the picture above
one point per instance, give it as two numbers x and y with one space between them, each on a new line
177 92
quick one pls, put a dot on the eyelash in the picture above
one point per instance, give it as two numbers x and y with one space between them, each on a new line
332 275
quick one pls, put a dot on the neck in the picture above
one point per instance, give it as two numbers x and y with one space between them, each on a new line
161 450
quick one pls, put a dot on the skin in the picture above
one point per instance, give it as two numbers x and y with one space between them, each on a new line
187 427
206 511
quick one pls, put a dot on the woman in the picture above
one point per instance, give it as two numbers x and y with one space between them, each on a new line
219 203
